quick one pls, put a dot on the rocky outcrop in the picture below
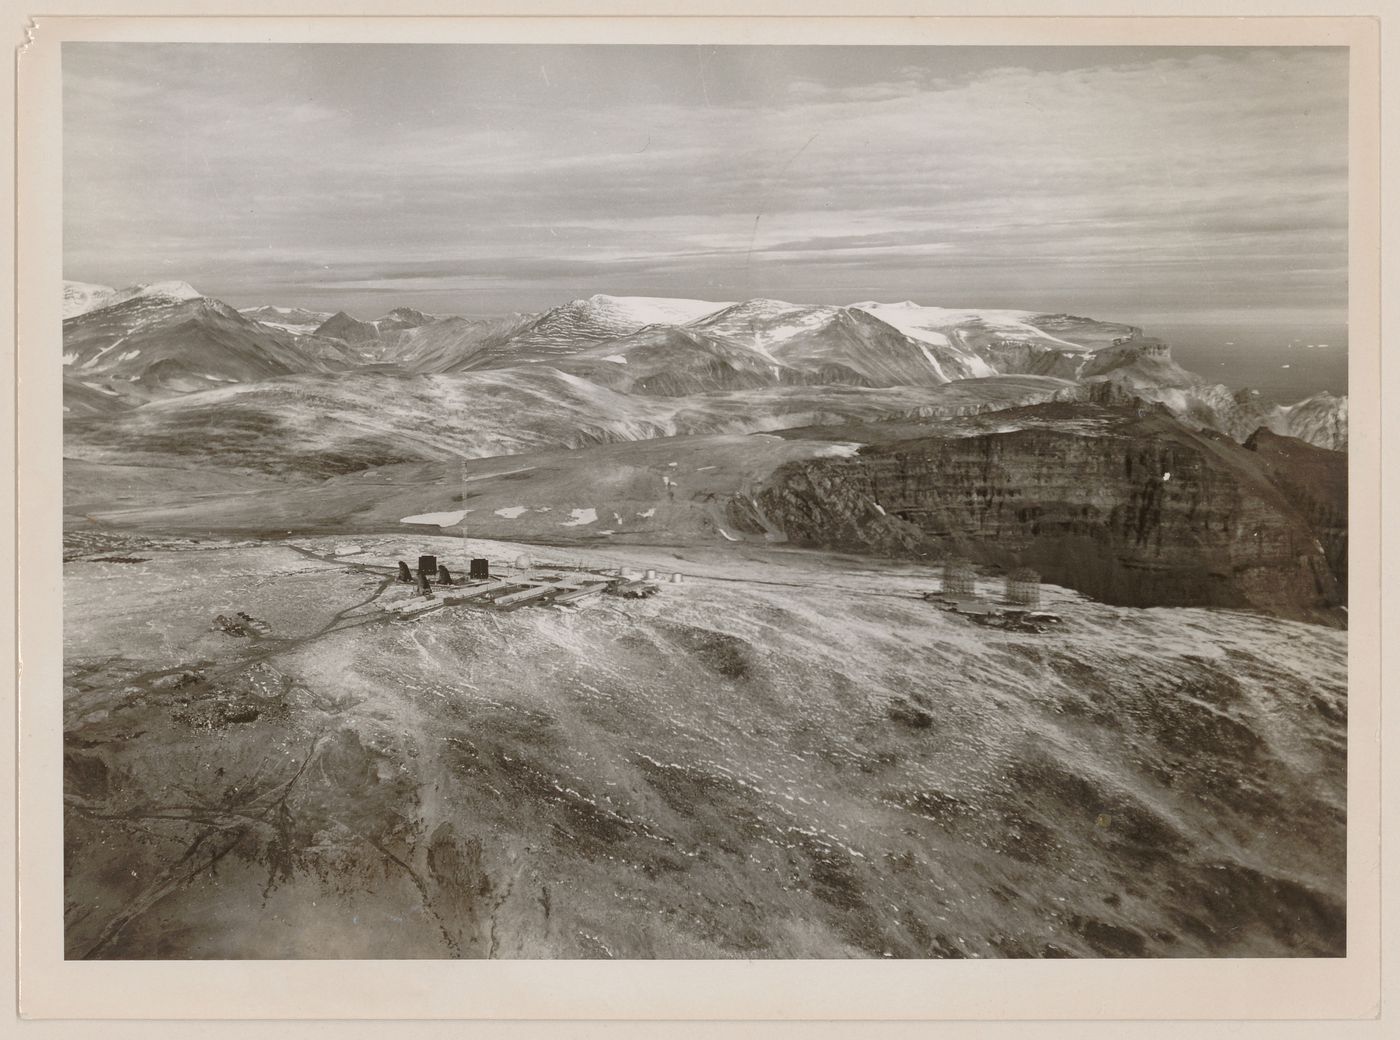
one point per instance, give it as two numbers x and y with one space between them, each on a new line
1029 357
1123 503
351 330
1315 481
1321 420
1143 367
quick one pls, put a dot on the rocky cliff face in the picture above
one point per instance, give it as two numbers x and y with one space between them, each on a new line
1315 481
1123 503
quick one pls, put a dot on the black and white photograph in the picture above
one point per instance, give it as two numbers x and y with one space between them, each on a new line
656 501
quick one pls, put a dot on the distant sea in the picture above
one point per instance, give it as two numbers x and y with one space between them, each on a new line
1285 363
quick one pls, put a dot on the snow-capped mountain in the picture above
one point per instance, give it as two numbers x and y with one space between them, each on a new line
933 324
764 322
580 324
151 341
849 344
629 313
1005 341
169 339
1060 331
751 344
84 297
709 345
677 361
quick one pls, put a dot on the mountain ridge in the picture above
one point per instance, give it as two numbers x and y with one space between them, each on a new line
652 346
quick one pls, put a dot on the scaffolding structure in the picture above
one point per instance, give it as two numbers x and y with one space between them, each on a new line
1023 587
959 579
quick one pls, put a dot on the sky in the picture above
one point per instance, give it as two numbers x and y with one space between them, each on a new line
1140 184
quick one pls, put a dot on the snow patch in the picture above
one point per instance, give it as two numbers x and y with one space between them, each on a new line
652 310
933 361
579 517
511 512
648 514
616 359
439 519
932 324
841 449
98 356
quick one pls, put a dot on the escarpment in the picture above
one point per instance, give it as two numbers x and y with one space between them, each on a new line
1122 503
1315 481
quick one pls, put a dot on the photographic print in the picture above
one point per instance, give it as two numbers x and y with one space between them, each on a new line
651 501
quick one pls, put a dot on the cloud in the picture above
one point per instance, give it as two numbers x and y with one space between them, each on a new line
849 175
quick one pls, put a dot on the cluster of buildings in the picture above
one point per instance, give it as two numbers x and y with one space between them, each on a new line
525 584
1017 610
